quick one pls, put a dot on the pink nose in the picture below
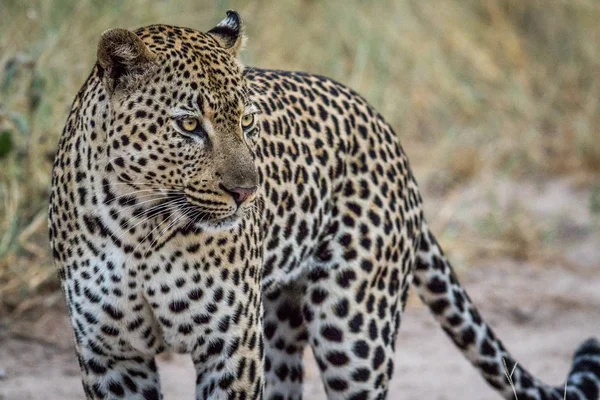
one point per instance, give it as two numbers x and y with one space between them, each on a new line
240 194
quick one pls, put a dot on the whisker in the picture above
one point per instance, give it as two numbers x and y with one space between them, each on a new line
156 185
151 192
155 211
132 183
147 201
177 205
163 232
157 191
144 239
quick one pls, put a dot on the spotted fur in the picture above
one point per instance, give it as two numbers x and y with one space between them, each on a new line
243 244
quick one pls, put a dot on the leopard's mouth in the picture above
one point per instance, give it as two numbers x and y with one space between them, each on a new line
214 223
207 218
192 213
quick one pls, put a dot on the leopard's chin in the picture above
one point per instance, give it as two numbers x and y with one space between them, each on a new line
227 223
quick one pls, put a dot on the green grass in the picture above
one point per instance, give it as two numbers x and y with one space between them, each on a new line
506 87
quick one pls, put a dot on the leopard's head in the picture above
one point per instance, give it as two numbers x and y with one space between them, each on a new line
180 122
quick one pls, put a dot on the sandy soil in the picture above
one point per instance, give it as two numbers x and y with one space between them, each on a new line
541 312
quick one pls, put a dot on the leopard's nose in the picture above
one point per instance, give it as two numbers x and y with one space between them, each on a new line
239 194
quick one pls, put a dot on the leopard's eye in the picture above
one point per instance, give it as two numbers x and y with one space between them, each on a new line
247 121
189 124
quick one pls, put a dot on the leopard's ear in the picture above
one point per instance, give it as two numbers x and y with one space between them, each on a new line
229 33
123 59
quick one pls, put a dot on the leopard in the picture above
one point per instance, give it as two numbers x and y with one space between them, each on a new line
241 215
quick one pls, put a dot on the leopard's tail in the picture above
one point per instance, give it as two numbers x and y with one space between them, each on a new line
438 287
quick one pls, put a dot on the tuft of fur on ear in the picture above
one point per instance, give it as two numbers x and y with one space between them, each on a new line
229 33
123 59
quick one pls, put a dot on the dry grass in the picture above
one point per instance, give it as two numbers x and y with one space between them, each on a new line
509 87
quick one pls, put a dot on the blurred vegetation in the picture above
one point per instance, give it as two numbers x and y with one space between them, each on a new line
508 87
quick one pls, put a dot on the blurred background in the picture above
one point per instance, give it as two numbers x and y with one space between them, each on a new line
497 103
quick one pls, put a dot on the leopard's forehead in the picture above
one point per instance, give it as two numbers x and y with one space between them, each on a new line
177 41
195 60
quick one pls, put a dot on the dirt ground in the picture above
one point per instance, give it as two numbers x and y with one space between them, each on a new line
541 310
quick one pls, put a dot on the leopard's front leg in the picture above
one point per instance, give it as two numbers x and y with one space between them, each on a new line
116 337
132 376
225 319
229 365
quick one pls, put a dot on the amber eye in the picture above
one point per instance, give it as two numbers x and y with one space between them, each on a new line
189 124
247 121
